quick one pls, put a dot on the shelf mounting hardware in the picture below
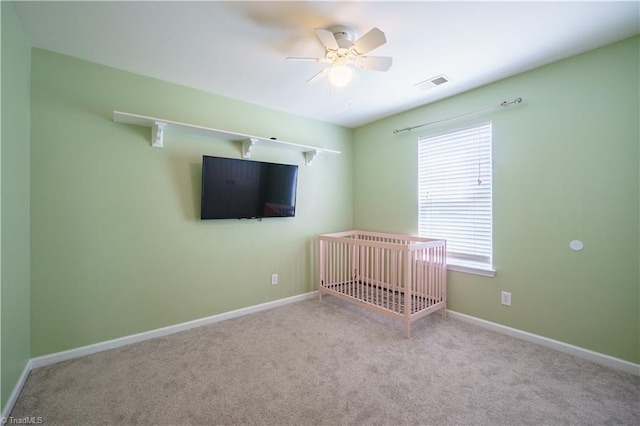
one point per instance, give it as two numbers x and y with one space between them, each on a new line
247 146
309 156
157 134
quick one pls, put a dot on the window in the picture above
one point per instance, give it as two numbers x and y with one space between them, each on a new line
454 190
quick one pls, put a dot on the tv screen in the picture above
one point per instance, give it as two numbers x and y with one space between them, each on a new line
238 189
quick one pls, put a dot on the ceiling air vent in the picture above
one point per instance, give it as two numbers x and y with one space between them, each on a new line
432 82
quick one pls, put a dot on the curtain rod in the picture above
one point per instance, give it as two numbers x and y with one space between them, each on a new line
503 104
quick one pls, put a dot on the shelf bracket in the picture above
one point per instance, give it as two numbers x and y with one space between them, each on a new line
309 156
247 146
157 134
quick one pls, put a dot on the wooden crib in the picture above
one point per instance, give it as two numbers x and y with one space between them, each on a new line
400 276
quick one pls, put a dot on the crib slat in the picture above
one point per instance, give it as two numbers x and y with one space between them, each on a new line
378 272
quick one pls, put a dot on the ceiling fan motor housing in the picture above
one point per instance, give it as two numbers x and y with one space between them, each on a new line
345 38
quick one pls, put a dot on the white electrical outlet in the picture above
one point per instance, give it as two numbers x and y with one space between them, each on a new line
274 279
506 298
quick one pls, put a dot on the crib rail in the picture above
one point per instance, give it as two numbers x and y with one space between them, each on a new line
397 275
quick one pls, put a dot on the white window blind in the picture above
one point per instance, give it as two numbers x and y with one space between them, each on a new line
454 192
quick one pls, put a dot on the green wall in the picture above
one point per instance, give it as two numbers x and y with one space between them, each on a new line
14 229
117 244
566 166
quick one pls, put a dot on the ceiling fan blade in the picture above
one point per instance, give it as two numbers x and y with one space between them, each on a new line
318 74
298 58
327 39
375 63
369 41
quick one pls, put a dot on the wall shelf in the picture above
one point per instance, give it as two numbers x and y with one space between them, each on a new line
246 142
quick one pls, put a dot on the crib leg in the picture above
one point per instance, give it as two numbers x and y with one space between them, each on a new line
407 329
443 312
319 295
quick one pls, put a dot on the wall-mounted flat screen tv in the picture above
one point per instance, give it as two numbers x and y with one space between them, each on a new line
244 189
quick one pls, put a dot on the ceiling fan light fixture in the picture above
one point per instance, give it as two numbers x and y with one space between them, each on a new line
340 75
342 54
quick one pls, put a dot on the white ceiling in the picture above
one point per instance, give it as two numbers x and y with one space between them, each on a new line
237 49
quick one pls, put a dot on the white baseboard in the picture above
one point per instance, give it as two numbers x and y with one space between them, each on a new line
41 361
598 358
54 358
16 391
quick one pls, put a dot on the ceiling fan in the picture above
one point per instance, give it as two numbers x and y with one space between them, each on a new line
342 53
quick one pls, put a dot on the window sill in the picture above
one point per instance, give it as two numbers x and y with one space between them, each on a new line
472 269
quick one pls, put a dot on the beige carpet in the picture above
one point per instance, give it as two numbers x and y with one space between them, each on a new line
331 363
